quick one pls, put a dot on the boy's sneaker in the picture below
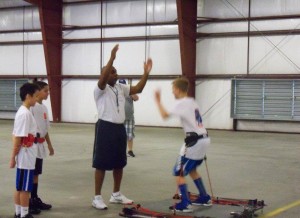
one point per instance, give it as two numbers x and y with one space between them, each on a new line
17 216
38 203
131 154
98 203
33 209
120 199
203 200
27 216
182 207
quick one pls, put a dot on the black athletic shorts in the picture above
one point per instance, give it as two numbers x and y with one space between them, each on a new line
38 167
109 146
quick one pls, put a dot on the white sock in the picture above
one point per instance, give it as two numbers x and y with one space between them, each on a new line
18 209
24 211
115 194
98 196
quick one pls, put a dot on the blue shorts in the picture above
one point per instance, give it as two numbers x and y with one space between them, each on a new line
24 180
184 166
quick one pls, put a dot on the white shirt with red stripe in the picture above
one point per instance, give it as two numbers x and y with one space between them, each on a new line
25 124
40 114
188 111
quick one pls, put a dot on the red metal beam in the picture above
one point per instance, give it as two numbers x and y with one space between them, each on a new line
187 25
51 23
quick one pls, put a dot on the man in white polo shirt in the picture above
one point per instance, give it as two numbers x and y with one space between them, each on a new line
110 134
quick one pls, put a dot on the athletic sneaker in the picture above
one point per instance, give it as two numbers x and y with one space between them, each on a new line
120 199
131 154
27 216
39 204
17 216
182 207
203 200
98 203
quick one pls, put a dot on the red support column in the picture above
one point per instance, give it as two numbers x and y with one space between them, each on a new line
51 24
187 25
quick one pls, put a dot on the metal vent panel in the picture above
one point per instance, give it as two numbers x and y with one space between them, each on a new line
10 94
265 99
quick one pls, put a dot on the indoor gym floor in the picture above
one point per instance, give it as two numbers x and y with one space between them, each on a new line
251 165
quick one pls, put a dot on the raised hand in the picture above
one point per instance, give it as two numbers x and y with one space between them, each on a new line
148 66
114 51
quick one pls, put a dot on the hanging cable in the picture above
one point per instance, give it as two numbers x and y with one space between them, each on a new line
23 43
101 35
146 33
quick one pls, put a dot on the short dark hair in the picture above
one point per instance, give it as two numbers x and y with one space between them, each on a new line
41 84
28 89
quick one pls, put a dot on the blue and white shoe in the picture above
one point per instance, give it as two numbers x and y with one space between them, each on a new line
182 207
203 201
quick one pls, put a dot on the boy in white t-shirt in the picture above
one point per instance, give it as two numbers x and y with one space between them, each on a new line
193 150
40 114
24 150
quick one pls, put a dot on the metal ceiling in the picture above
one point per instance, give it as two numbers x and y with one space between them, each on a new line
6 4
13 3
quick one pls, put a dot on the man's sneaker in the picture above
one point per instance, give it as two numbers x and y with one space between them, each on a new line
98 203
120 199
17 216
130 154
27 216
203 200
182 207
38 203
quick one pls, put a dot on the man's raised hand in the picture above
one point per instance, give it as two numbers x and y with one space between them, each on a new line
148 66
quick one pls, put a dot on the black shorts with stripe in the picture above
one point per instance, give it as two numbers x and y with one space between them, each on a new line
109 146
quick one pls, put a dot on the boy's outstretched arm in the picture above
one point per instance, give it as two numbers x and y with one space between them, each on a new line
138 88
164 114
15 151
106 70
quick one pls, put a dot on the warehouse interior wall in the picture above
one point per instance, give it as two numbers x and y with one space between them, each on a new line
215 55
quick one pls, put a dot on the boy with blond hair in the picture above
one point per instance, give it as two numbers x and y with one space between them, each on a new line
193 151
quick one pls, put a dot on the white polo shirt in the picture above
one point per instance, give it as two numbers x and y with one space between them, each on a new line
25 124
40 114
110 102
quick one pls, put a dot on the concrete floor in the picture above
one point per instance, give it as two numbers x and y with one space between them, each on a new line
241 165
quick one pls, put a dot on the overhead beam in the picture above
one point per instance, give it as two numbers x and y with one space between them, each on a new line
187 25
34 2
51 24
